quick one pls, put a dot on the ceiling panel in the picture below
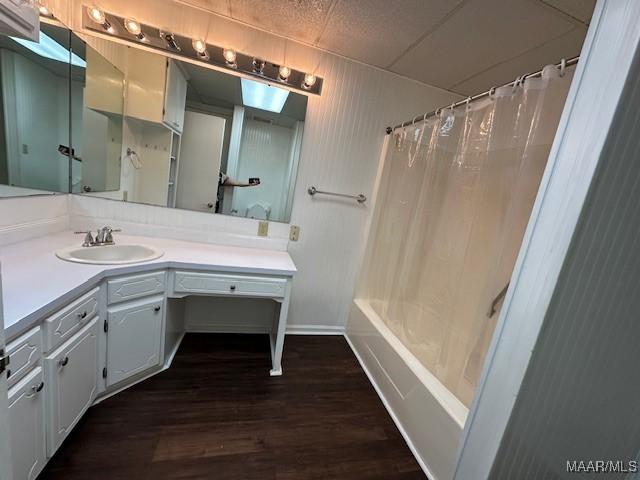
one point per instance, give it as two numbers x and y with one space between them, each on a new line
579 9
302 20
459 45
378 31
567 46
218 6
481 34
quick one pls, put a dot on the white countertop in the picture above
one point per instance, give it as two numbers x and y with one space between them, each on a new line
35 282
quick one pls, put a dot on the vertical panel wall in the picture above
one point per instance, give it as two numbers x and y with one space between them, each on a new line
580 399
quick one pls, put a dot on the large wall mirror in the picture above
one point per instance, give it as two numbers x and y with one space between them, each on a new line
88 115
36 79
160 131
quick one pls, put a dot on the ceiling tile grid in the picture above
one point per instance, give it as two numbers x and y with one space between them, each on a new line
481 34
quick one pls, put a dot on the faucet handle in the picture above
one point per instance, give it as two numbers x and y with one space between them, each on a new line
88 238
109 237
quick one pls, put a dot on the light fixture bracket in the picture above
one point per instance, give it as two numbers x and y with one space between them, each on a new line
181 46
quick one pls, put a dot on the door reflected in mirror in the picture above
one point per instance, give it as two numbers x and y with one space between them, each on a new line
34 120
187 136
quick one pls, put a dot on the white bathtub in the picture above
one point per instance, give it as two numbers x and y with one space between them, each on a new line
429 416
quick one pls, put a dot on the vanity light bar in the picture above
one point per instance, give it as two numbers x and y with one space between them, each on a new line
202 52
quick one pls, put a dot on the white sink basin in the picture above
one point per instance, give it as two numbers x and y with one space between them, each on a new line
119 254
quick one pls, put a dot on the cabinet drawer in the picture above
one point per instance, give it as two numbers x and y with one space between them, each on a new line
60 327
25 353
136 286
193 282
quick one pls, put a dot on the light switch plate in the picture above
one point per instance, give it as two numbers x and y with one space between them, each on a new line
263 229
294 233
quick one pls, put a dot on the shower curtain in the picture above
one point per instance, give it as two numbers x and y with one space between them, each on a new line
454 201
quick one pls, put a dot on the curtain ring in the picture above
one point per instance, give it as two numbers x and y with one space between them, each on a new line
563 67
518 82
492 90
424 117
438 111
468 103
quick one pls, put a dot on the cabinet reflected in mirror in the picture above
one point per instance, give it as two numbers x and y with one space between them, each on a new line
97 102
192 137
35 116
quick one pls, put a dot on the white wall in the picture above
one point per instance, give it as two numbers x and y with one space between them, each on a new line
22 218
344 131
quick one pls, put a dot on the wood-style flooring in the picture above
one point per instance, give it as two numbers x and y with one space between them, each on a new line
217 414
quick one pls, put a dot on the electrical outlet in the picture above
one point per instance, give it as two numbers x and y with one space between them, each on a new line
263 229
294 233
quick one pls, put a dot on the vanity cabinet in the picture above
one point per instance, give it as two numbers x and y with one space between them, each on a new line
156 89
175 97
135 337
26 413
71 379
19 18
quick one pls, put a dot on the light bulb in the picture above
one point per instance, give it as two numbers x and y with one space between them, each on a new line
309 80
229 55
132 26
96 15
44 10
199 45
284 73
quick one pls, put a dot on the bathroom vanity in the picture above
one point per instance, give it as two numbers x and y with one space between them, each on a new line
78 333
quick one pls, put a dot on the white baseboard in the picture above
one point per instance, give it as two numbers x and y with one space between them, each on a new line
291 329
392 414
227 328
314 330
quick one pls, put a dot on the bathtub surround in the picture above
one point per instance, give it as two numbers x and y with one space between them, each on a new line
455 198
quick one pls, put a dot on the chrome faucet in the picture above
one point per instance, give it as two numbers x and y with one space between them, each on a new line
104 236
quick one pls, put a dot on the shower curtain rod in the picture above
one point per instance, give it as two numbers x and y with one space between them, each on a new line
563 63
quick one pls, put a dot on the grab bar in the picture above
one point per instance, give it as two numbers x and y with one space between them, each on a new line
496 301
360 198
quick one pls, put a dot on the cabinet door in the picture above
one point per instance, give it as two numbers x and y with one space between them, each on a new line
26 414
19 19
71 375
175 97
146 78
135 338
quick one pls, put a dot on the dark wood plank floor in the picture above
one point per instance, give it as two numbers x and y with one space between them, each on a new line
216 414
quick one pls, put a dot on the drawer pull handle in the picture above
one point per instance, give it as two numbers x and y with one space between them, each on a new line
63 362
82 315
156 308
232 288
38 389
8 373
